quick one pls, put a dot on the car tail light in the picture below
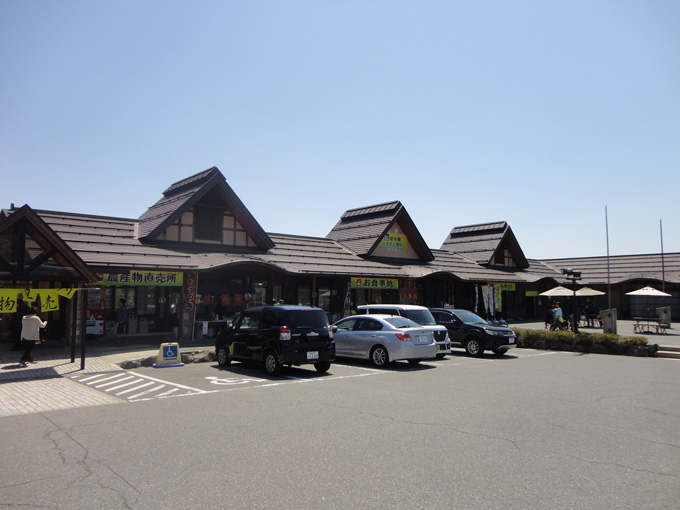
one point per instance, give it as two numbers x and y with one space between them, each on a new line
284 333
330 331
403 336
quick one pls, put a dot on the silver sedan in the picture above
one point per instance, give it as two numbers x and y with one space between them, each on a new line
383 338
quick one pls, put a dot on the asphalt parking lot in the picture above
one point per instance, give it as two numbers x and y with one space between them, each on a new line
534 429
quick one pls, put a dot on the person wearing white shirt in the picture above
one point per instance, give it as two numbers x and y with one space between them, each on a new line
31 325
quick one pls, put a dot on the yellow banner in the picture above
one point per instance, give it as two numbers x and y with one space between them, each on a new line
49 298
146 278
504 286
374 283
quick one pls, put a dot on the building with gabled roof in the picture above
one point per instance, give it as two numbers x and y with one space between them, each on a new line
220 216
381 231
198 251
491 244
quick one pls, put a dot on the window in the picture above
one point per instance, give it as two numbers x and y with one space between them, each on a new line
504 258
208 223
347 325
368 325
251 320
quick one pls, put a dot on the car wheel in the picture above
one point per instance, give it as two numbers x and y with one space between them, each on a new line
473 346
500 351
322 366
272 365
380 356
223 356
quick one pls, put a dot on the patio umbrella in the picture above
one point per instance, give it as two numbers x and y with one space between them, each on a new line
557 291
648 291
587 291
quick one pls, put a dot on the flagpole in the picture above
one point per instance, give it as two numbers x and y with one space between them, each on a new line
609 283
663 270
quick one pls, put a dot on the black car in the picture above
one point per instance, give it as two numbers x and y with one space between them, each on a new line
276 336
473 333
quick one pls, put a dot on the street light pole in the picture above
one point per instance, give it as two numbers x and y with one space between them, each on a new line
573 276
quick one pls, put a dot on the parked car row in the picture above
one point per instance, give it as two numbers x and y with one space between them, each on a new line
285 335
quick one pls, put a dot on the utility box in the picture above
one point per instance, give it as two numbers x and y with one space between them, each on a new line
608 320
664 314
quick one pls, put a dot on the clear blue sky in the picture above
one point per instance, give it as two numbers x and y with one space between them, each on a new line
539 113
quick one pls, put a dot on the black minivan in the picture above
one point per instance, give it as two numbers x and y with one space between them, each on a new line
278 335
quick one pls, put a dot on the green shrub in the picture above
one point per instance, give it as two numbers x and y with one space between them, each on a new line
582 342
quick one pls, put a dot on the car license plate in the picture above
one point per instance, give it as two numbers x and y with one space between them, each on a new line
422 339
312 354
512 340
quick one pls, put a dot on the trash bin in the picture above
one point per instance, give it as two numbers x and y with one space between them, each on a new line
143 326
132 325
664 314
608 320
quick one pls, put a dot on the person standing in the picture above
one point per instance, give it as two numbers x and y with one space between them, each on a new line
31 325
121 317
557 314
548 318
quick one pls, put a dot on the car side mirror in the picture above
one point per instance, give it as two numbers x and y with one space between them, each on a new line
334 329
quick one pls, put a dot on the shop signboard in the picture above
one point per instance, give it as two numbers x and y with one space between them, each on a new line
394 241
374 283
505 286
144 278
190 288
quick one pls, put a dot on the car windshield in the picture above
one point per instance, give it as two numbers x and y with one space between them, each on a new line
401 322
422 317
315 319
469 317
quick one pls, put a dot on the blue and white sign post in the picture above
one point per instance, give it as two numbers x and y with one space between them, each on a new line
168 356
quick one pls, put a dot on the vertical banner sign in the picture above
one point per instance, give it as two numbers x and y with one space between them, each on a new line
190 288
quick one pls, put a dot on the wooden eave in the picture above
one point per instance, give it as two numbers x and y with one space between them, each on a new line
25 222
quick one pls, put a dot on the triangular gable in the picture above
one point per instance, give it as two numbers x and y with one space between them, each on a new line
175 213
383 230
31 251
488 243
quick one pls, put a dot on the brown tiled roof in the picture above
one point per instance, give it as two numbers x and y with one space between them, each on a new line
620 268
180 196
481 242
362 229
106 242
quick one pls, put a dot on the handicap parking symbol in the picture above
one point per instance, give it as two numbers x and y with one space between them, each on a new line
170 351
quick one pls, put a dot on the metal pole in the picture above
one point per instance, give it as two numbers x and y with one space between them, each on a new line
83 327
74 323
663 270
609 282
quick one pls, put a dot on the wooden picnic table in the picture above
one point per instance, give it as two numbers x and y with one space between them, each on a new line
645 324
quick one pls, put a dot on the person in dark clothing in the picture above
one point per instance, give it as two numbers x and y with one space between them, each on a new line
121 317
548 317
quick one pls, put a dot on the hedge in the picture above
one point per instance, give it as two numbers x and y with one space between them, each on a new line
597 343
